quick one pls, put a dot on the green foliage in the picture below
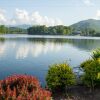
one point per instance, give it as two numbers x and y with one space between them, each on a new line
96 54
3 29
52 30
91 69
59 76
15 30
11 30
84 64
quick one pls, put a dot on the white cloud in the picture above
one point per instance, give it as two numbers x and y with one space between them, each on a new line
13 21
88 2
2 17
44 20
97 15
24 17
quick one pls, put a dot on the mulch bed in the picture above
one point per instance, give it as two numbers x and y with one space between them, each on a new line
77 93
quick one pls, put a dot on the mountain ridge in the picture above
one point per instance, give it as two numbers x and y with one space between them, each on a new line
87 27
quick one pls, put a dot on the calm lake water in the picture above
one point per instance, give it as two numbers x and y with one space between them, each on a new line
31 55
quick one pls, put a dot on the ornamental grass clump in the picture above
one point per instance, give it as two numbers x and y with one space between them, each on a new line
22 87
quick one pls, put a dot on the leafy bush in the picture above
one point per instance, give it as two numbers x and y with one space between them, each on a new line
96 54
59 76
84 64
91 69
22 87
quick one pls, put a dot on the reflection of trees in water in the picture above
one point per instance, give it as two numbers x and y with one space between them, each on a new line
84 44
44 40
2 40
2 46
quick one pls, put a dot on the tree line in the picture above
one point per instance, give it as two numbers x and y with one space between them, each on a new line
37 30
51 30
85 32
11 30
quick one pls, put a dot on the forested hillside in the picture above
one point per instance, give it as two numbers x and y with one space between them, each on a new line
89 27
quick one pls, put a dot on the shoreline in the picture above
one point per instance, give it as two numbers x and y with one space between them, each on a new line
47 36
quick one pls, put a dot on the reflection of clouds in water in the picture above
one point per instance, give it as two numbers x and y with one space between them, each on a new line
36 49
13 44
2 49
22 52
51 47
6 46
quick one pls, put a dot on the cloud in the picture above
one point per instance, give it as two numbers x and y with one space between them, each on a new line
2 17
13 21
97 15
88 2
21 16
44 20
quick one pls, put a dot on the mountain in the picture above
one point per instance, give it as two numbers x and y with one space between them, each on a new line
23 26
87 27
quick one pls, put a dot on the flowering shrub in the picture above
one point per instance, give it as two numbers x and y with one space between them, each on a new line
22 87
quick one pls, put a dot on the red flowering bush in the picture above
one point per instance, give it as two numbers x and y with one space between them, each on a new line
22 87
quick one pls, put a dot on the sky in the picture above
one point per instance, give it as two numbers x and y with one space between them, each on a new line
48 12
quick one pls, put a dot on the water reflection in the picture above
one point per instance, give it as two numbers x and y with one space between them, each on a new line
2 49
24 47
84 44
36 49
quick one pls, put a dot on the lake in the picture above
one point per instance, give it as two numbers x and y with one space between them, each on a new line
22 54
